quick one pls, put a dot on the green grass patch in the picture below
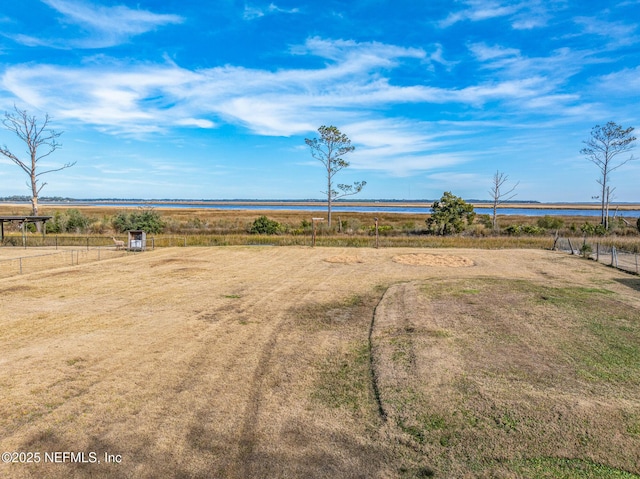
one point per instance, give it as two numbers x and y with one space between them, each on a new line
344 380
559 468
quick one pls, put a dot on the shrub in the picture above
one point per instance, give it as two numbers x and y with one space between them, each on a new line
146 220
71 221
55 224
550 222
586 250
383 230
265 226
485 220
532 230
76 221
513 230
591 229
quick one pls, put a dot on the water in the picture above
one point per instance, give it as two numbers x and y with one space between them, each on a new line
372 209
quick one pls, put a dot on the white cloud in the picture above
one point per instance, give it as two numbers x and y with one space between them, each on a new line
200 123
400 147
624 82
619 33
138 99
479 10
252 12
106 26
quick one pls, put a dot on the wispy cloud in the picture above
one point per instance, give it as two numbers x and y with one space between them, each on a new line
618 32
355 82
251 12
478 10
100 26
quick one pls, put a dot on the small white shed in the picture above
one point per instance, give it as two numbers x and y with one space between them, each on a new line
137 240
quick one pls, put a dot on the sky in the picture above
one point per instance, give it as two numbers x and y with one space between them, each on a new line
213 100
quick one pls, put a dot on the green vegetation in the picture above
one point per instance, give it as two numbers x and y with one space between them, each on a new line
209 227
559 468
145 219
344 379
265 226
449 214
550 222
532 369
71 221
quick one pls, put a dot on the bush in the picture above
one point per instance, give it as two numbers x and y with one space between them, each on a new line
265 226
591 229
383 230
524 230
586 250
146 220
486 221
532 230
513 230
71 221
550 222
76 221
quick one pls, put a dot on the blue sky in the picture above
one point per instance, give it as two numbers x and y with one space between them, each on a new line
192 99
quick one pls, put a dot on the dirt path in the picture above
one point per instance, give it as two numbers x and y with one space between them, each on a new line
203 362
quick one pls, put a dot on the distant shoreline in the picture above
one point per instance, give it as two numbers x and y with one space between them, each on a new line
284 203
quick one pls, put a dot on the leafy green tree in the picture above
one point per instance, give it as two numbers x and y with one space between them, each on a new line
605 144
449 214
329 150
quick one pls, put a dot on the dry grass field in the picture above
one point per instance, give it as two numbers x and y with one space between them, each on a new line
256 362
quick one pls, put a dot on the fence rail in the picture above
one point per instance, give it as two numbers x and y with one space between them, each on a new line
610 255
57 259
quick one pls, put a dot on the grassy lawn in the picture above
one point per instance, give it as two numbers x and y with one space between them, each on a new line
328 362
500 378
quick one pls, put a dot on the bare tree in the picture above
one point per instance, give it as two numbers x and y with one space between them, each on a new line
605 144
498 195
329 149
37 137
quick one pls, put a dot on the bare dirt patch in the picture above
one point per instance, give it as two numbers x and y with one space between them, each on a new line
427 259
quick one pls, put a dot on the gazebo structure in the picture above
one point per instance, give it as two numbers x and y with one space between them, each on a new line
23 220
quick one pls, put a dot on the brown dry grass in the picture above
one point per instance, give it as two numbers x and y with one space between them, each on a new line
245 362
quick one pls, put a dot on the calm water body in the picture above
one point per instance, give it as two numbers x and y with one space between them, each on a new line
374 209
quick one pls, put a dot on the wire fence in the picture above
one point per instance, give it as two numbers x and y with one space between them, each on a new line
85 241
57 259
622 259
